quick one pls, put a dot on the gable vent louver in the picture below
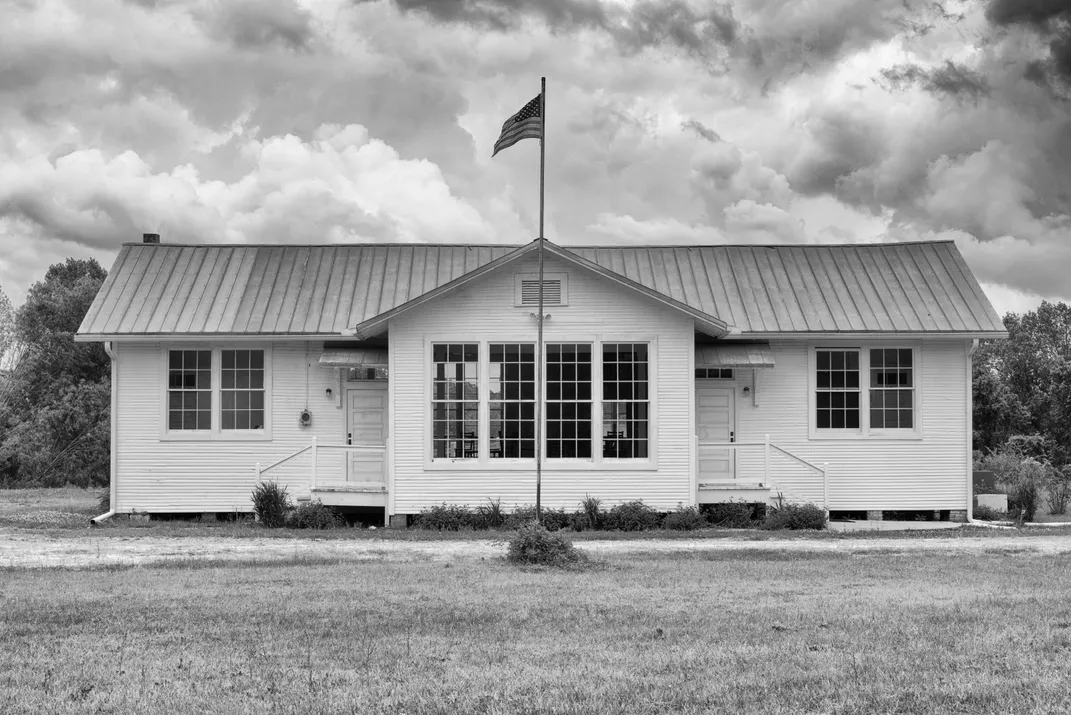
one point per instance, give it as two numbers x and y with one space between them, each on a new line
552 292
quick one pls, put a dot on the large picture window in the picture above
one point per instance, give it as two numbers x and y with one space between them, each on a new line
625 400
892 388
189 390
242 389
837 389
512 387
568 401
455 401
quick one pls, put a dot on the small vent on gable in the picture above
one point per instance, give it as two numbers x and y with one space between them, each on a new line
552 292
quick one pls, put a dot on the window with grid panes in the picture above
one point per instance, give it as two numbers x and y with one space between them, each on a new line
189 390
892 387
455 405
241 381
568 401
512 401
625 401
837 388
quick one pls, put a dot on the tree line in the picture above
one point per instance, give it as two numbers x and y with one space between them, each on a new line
55 393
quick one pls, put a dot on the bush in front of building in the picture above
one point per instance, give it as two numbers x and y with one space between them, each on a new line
446 517
314 515
271 504
632 516
533 544
685 518
553 519
795 516
731 515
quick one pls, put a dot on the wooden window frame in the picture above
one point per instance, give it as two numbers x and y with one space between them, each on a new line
216 434
865 430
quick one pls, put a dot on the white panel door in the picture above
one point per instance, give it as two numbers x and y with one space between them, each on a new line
715 422
366 426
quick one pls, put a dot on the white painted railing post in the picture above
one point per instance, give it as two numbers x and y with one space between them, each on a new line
766 462
258 472
825 487
312 480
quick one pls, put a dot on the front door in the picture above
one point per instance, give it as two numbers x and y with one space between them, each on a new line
366 426
715 422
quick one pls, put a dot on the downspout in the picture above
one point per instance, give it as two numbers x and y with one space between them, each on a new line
111 478
970 432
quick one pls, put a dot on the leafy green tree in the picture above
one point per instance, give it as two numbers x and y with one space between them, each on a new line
56 395
1022 386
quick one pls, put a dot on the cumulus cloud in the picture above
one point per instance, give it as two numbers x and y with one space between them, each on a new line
342 185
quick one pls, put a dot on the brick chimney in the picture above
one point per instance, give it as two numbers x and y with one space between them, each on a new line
150 238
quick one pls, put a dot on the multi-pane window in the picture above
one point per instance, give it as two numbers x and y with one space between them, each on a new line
891 388
189 390
718 373
512 385
568 402
366 373
455 400
837 388
241 381
625 400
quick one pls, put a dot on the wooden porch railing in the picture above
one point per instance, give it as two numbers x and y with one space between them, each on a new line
769 449
315 448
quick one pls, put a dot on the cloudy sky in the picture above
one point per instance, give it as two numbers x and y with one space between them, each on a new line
672 121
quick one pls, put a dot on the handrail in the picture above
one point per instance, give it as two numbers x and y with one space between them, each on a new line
802 461
767 446
261 470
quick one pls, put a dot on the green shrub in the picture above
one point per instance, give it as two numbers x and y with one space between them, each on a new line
271 504
534 544
1024 488
795 516
314 515
983 512
632 516
490 515
445 517
686 518
1058 490
591 508
731 515
553 519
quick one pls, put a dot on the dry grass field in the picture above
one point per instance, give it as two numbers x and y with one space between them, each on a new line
733 632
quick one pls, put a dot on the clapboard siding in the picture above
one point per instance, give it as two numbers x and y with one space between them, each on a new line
156 475
873 473
597 309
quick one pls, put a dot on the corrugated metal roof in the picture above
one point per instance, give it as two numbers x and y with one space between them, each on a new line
903 287
323 290
280 290
734 355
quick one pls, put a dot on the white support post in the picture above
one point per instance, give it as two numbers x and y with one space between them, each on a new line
766 462
312 480
825 487
258 472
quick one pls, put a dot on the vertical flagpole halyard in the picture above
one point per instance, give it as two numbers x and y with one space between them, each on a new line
539 321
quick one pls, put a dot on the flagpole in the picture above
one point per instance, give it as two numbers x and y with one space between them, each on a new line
539 345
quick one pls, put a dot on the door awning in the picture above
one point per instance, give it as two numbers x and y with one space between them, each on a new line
737 355
354 357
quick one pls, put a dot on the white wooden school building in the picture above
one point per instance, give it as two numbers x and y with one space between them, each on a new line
403 376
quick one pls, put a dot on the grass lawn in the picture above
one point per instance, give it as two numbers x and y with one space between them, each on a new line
732 632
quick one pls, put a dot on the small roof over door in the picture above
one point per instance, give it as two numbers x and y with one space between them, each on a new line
354 357
734 355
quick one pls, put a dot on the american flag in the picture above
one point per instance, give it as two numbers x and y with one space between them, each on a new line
525 124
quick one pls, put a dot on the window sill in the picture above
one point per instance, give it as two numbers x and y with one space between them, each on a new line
557 465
